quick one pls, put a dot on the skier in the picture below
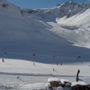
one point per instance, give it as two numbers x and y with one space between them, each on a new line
77 76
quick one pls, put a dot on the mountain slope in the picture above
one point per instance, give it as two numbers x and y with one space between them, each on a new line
27 36
81 28
68 9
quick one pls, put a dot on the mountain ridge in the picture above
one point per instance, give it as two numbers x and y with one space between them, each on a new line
66 9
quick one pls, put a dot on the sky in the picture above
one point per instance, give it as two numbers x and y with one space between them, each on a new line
36 4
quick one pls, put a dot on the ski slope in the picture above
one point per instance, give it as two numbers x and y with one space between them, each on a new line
45 44
57 40
13 66
34 68
27 74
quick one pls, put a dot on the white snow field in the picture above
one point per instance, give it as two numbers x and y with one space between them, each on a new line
47 32
28 75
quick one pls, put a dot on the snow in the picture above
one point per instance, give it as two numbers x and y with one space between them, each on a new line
63 80
55 39
12 66
23 74
36 86
53 79
77 19
78 83
74 29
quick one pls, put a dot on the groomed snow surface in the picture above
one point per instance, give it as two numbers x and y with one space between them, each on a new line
28 75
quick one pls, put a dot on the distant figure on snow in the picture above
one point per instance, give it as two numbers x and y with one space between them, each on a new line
3 60
78 57
53 69
77 76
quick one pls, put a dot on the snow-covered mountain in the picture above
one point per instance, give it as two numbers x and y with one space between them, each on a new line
45 35
69 8
80 24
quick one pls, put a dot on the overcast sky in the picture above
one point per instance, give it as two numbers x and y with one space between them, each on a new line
34 4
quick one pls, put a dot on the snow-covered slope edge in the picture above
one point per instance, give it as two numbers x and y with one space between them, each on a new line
15 66
76 29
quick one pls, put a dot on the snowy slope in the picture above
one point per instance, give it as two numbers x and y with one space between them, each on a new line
15 66
23 34
32 75
80 24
